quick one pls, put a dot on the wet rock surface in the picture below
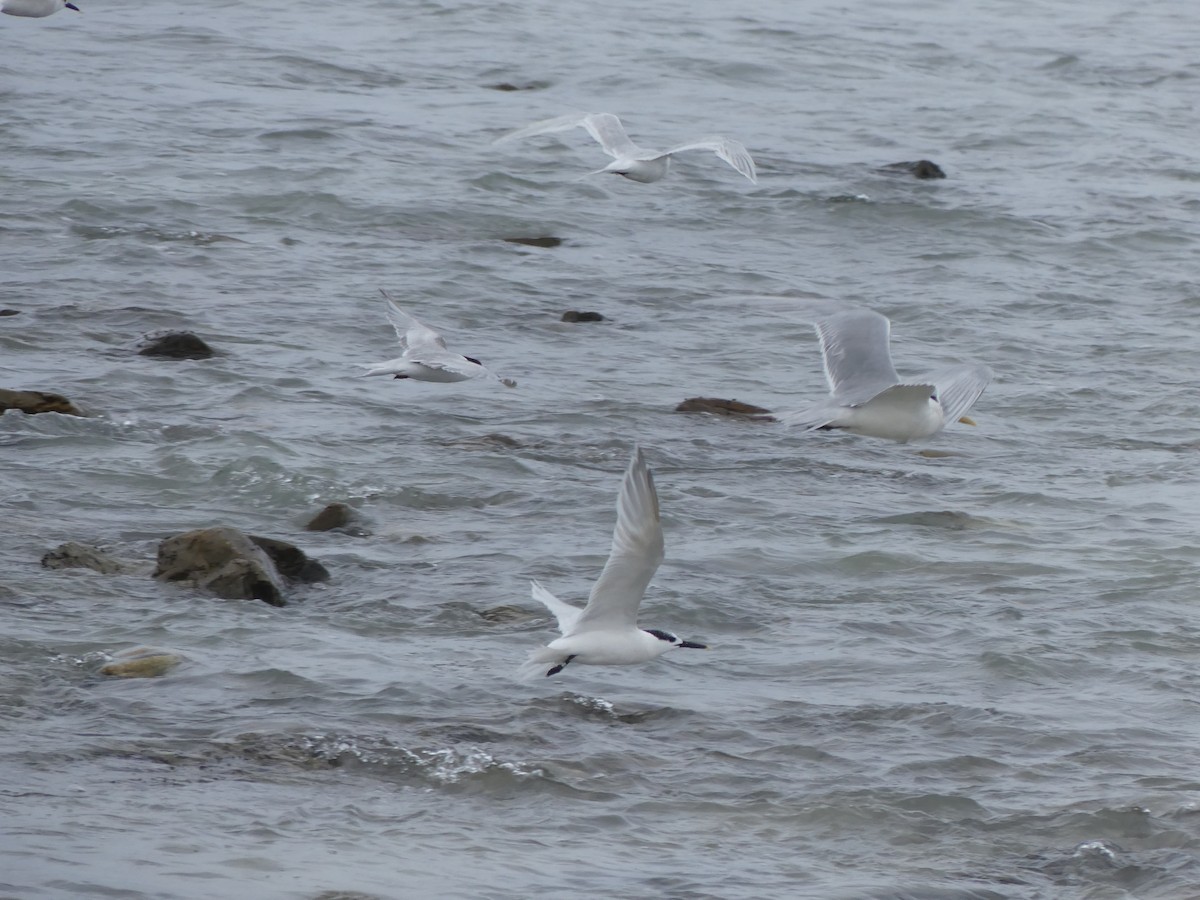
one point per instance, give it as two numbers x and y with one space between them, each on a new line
719 407
573 315
236 566
33 402
174 345
141 662
544 242
72 555
920 168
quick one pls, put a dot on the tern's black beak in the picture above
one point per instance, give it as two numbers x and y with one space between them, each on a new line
71 6
692 645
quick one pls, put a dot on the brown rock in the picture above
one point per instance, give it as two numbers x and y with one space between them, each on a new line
545 242
224 561
175 345
32 402
719 407
335 515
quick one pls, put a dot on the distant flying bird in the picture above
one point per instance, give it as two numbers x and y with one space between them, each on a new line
424 356
34 9
629 159
867 395
605 632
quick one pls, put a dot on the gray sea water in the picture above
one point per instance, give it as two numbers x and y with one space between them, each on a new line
970 675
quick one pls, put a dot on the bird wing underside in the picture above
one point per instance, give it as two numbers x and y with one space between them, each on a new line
637 550
958 387
731 152
858 363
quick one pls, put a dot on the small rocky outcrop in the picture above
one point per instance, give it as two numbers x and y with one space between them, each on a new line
718 407
10 312
921 168
32 402
333 517
574 315
544 242
234 565
174 345
84 556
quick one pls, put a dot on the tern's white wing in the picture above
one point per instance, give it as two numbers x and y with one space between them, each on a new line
610 134
858 364
605 128
958 387
566 614
731 151
637 549
412 333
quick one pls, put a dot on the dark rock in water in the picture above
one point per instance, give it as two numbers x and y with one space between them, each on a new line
175 345
535 241
720 407
572 315
335 515
10 312
84 556
234 565
921 168
526 86
32 402
292 562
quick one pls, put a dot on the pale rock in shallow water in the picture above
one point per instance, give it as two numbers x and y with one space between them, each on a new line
72 555
141 662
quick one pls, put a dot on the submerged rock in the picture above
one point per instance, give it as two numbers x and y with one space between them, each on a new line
32 402
141 662
921 168
10 312
719 407
500 614
508 86
545 242
234 565
174 345
84 556
574 315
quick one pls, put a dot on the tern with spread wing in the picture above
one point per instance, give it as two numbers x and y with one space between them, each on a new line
630 160
605 632
424 356
867 395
